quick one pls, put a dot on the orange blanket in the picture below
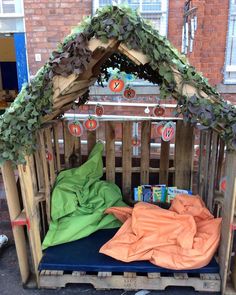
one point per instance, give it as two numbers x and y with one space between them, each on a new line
184 237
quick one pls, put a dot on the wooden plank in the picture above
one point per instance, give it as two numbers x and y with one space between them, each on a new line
126 159
91 140
31 210
164 162
212 171
39 170
201 162
211 284
110 151
78 85
136 56
68 143
206 163
227 218
184 141
51 163
14 210
145 151
138 169
220 163
56 128
44 163
67 98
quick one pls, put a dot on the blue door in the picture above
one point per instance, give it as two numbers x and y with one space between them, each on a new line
21 62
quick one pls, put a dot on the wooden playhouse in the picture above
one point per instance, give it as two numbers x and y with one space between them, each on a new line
32 128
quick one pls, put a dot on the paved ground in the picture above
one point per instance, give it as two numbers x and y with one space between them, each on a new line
10 282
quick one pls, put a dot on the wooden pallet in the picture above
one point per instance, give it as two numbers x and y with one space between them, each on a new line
130 280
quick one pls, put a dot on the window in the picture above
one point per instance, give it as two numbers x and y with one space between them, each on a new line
11 16
230 63
153 10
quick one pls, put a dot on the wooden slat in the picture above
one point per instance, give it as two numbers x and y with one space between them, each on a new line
227 215
56 145
138 169
91 136
132 282
14 210
110 151
39 170
201 163
164 162
183 155
77 151
206 163
220 162
31 210
68 143
212 170
126 159
136 56
45 173
51 163
145 151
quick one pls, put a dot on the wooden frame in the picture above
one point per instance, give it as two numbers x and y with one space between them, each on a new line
58 149
38 175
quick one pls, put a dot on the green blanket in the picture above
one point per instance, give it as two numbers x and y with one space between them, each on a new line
78 202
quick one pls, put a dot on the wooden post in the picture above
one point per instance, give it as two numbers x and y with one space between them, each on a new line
183 155
31 210
91 137
164 162
126 160
227 219
206 163
14 211
45 174
110 151
212 171
56 145
48 136
39 169
68 144
145 151
201 162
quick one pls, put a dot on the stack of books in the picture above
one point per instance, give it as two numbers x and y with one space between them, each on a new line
157 193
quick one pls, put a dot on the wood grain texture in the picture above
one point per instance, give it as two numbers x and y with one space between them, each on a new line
126 159
164 162
228 216
184 141
110 151
145 151
31 210
14 211
91 137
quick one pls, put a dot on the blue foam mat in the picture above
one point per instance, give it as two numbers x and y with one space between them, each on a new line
83 255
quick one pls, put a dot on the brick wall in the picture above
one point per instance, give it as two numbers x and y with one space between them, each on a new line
210 40
48 22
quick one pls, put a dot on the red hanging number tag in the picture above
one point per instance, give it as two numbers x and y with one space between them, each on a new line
91 124
158 111
99 110
136 141
168 131
75 128
48 156
116 85
129 93
223 184
159 128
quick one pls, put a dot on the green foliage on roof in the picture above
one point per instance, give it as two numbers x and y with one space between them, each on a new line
20 122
